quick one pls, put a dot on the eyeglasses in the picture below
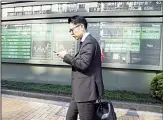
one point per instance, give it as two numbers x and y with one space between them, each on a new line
72 29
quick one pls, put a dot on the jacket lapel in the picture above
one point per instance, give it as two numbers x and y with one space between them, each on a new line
85 41
76 53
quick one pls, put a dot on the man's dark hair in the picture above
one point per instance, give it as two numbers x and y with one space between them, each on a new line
78 20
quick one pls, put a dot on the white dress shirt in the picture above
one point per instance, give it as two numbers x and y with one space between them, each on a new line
84 36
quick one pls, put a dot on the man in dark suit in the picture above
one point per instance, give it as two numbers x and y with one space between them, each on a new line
87 81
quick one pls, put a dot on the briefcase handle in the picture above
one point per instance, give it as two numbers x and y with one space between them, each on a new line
100 102
99 99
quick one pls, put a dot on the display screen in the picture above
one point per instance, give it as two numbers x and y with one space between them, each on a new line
128 43
36 41
16 41
82 7
132 6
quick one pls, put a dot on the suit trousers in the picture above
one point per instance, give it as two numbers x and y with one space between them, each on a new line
85 110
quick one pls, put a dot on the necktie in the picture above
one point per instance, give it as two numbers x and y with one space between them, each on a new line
80 45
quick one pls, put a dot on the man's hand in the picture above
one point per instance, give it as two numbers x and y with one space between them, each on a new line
61 54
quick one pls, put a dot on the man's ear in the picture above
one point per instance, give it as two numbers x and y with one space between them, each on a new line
82 26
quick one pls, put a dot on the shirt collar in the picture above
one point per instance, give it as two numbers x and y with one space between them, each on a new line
84 36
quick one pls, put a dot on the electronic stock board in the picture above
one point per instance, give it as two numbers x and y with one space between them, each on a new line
134 43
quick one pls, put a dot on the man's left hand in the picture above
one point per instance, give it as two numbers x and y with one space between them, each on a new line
61 54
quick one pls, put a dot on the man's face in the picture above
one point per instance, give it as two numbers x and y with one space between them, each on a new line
76 31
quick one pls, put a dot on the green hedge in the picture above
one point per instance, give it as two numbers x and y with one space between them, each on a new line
156 86
66 91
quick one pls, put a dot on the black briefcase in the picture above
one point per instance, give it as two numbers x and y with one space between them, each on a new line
105 111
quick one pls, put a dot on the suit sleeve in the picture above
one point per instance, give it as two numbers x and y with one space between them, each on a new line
83 60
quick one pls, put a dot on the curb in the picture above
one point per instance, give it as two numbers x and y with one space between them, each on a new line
36 95
117 104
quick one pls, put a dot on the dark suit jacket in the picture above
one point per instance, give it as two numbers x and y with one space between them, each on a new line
87 81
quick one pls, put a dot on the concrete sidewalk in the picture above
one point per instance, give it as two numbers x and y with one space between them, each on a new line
25 108
156 108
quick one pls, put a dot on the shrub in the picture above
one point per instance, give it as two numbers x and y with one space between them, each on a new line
156 86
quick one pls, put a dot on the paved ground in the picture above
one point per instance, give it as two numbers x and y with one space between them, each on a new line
23 108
